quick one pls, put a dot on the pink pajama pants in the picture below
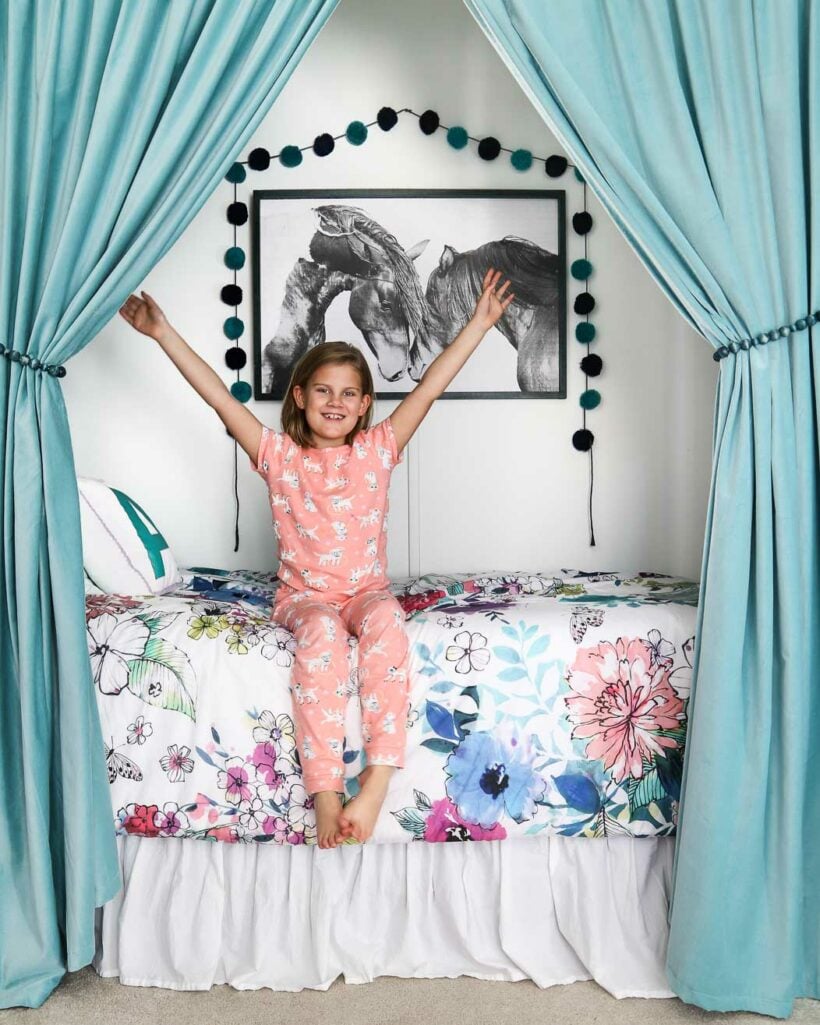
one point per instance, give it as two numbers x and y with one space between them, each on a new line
321 671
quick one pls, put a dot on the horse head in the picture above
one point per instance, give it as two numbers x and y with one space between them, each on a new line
386 300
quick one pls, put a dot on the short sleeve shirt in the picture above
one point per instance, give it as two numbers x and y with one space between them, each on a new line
329 509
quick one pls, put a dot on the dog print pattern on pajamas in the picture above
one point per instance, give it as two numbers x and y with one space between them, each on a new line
329 509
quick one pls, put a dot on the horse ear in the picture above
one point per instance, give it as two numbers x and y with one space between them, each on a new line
415 251
446 259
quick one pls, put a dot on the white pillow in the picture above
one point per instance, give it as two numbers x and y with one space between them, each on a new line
123 552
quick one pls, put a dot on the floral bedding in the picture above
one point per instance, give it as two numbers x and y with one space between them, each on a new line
540 704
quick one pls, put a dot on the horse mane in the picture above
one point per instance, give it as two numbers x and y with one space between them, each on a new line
352 220
533 273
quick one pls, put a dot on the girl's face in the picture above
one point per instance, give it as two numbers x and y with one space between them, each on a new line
333 402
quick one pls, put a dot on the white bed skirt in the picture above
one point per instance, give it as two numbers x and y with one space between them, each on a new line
192 914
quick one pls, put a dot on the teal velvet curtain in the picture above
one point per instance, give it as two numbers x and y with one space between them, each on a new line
697 125
119 119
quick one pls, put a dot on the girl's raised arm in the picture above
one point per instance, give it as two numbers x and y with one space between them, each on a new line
146 317
489 307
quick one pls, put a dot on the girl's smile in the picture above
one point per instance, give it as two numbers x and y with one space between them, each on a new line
333 403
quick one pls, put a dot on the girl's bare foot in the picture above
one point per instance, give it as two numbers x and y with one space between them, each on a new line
358 817
328 806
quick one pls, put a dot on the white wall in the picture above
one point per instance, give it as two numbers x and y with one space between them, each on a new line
485 483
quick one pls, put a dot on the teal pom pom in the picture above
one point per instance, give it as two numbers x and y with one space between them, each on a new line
585 332
356 133
233 327
235 258
236 174
291 156
457 137
241 390
521 160
579 176
590 399
581 269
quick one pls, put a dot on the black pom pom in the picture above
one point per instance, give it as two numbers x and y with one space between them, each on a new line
584 304
387 118
489 148
259 159
429 122
232 295
237 213
323 144
592 365
583 439
236 358
555 166
582 223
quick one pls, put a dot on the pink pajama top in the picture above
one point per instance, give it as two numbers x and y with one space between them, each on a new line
330 509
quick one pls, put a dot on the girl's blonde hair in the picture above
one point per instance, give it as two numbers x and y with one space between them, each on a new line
294 421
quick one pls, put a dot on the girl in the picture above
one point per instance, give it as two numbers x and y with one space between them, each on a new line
328 474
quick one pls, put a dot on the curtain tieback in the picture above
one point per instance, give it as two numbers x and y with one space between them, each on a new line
55 369
767 336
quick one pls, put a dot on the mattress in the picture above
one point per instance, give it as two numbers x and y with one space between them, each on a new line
541 704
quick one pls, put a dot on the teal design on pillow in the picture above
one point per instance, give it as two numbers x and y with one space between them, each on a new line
154 543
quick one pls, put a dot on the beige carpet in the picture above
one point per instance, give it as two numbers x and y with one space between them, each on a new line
83 998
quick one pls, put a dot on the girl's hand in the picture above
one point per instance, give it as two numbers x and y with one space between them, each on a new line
144 315
491 303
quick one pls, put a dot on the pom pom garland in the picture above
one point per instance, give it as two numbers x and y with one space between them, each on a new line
429 122
259 159
236 175
237 213
324 144
489 148
231 295
555 166
241 390
590 399
581 222
583 439
584 304
236 358
585 332
235 258
387 118
233 327
521 160
457 137
580 269
356 133
291 156
592 365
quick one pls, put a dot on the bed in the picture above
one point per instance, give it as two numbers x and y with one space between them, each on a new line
530 833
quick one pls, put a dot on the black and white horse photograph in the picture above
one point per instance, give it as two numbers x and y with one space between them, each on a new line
397 274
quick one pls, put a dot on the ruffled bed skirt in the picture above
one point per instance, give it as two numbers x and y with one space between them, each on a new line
192 914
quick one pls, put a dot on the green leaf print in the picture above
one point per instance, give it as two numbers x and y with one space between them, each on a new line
163 677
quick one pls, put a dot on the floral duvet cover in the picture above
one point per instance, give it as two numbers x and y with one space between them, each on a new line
540 704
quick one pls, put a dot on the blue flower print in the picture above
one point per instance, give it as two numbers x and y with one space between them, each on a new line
492 773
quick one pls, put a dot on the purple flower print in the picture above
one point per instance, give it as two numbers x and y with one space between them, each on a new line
171 820
273 771
277 730
238 780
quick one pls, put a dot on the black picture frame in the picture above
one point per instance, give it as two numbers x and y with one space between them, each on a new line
353 262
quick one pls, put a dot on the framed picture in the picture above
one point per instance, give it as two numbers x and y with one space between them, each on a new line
397 273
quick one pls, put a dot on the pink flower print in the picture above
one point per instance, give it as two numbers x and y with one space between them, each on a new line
139 730
176 763
238 780
276 827
171 820
469 651
275 772
445 824
622 700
